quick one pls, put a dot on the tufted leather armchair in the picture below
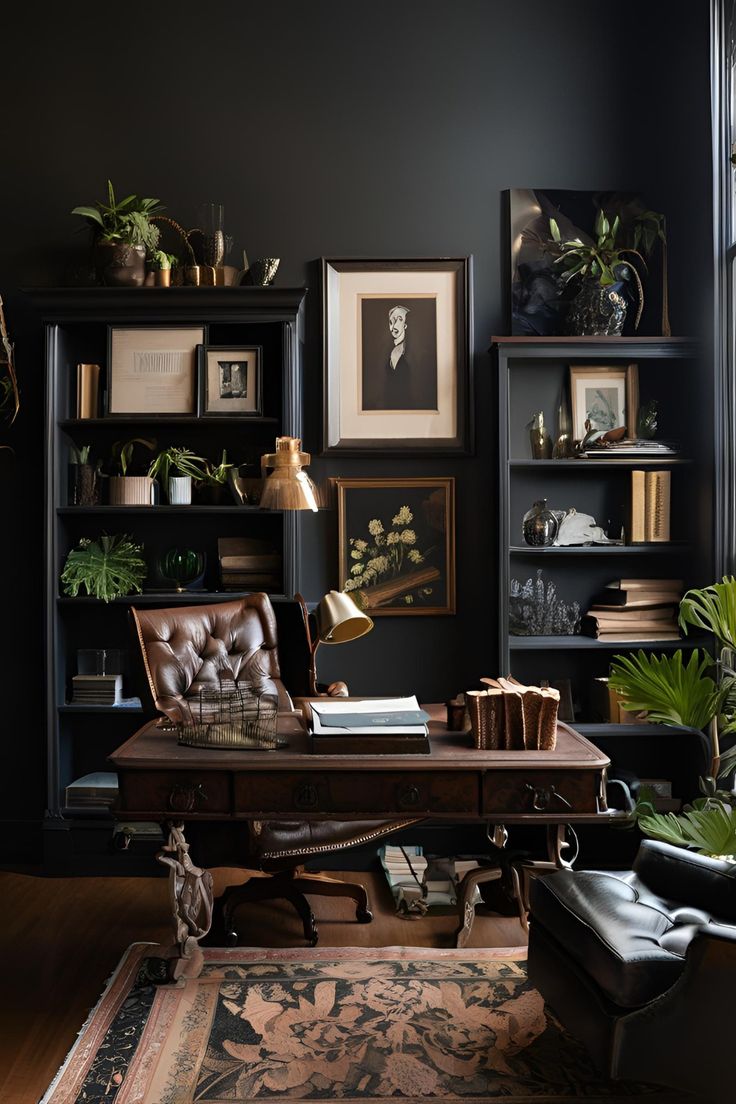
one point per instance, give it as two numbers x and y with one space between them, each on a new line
641 965
189 648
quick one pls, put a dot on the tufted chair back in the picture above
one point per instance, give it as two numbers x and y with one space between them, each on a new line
191 648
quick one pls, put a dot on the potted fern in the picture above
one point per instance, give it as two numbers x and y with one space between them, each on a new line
123 234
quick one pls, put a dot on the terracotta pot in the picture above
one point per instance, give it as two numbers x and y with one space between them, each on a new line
120 265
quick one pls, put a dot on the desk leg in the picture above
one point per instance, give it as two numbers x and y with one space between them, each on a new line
556 844
191 898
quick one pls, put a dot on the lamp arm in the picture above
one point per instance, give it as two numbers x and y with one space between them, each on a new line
312 644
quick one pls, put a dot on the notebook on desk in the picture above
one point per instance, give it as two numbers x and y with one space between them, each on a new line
372 726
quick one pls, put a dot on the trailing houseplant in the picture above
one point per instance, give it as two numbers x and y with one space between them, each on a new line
123 234
212 487
175 468
106 568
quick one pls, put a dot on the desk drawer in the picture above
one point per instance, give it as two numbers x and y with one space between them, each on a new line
540 792
371 793
184 792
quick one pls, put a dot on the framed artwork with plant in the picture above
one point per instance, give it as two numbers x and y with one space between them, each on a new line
397 544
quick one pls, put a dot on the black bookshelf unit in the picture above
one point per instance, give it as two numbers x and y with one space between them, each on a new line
75 321
532 376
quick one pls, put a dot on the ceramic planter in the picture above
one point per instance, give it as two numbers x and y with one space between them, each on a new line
180 490
118 264
132 490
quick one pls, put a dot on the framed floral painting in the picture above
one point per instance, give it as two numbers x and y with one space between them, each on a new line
397 544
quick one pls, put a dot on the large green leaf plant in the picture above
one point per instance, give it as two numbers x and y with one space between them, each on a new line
107 568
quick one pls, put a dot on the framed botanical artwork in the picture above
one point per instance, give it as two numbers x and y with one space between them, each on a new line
605 395
397 544
152 369
397 356
230 381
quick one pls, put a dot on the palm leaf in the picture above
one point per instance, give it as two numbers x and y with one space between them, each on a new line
713 608
671 691
711 829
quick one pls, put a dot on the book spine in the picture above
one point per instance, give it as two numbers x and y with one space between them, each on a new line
88 387
657 512
638 507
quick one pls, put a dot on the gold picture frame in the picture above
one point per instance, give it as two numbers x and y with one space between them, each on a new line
605 394
397 544
152 370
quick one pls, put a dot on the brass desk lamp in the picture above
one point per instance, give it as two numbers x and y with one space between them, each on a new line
336 620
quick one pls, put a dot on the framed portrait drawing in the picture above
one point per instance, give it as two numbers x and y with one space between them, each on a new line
397 544
397 356
152 369
230 381
605 395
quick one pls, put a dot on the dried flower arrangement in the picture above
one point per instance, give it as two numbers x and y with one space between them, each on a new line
536 610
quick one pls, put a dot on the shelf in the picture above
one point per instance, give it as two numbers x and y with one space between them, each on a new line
190 598
79 707
589 643
583 465
129 511
671 548
164 420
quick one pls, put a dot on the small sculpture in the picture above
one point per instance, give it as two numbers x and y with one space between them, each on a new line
578 528
540 439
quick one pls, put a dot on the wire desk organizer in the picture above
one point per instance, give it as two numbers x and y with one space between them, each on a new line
235 715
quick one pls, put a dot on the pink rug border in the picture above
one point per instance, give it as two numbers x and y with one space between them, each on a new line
65 1086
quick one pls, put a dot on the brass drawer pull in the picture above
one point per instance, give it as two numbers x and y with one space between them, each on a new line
306 796
408 797
543 796
183 799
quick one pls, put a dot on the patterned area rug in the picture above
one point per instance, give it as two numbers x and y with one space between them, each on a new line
354 1025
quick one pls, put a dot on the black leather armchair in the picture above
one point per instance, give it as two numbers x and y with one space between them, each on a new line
641 966
189 648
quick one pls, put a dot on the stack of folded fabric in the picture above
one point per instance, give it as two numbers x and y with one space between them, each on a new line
510 715
635 610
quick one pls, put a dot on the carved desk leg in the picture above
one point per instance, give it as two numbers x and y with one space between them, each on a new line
191 897
465 906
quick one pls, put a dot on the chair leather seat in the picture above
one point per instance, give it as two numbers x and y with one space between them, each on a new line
629 940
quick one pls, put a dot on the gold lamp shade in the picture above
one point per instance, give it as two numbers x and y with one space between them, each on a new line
339 619
288 487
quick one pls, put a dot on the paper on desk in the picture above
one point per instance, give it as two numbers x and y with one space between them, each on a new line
379 711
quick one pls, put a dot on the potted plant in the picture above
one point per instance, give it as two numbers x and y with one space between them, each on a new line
128 485
106 568
212 489
175 468
124 234
84 485
602 269
160 265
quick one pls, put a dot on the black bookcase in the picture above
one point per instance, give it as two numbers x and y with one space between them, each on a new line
533 375
76 321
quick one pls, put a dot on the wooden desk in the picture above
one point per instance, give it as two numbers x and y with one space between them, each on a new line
161 780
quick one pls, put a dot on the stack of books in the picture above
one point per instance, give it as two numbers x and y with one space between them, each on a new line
249 564
650 506
98 790
635 610
368 726
420 885
630 449
97 689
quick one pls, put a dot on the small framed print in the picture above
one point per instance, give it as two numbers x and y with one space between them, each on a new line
152 369
605 395
397 356
397 544
230 381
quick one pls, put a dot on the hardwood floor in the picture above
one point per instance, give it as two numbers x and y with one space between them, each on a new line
60 938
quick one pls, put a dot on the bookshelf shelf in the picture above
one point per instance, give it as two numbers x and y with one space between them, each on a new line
671 548
581 467
168 598
589 643
76 707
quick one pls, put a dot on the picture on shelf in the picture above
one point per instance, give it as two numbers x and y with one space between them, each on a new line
397 544
151 370
229 381
606 396
397 363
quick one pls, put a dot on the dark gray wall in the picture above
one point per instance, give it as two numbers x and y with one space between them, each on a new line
335 128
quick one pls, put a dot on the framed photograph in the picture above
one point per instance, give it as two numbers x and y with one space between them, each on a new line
605 395
397 544
397 356
152 369
230 381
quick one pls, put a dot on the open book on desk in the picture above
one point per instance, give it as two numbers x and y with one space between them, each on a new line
372 726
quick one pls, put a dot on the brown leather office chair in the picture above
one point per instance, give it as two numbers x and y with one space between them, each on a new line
191 648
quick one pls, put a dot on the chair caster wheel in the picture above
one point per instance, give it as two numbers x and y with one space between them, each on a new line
231 939
363 915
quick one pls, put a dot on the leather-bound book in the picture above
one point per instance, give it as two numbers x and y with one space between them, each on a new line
657 519
638 507
515 738
547 732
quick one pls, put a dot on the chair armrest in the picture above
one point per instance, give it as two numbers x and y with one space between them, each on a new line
681 875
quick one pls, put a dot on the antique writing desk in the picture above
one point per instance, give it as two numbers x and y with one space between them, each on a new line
161 780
